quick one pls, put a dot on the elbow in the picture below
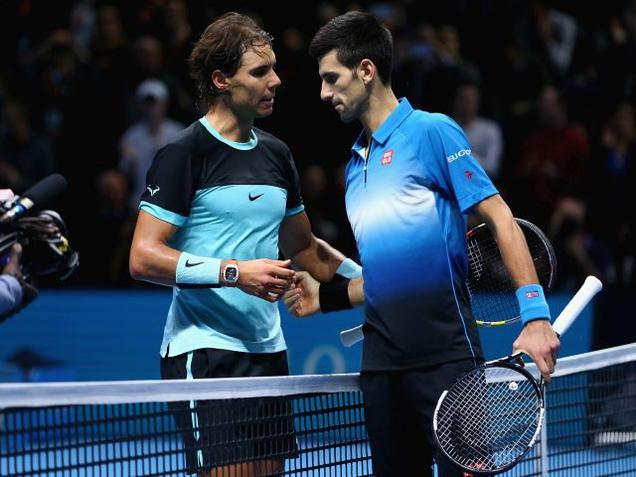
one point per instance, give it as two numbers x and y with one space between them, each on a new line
137 266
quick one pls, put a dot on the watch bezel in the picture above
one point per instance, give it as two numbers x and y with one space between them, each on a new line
231 280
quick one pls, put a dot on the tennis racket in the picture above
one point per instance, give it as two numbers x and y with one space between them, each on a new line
490 287
491 417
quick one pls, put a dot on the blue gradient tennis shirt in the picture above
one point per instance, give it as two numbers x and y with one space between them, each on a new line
406 204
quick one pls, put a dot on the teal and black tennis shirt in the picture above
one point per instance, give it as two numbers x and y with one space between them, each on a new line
228 200
406 204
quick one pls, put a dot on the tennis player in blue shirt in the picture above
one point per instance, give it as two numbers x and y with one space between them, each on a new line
409 182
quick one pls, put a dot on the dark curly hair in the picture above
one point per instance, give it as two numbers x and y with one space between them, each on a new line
221 47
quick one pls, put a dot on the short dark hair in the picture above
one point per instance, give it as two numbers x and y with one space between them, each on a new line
221 47
356 36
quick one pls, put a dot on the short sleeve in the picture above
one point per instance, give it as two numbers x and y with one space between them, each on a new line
294 197
170 184
455 169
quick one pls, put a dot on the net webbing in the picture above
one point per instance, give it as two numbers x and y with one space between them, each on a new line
291 426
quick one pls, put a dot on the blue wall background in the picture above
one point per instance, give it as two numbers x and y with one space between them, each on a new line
115 335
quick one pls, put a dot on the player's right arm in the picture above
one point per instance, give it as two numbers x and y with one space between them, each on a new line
304 299
153 260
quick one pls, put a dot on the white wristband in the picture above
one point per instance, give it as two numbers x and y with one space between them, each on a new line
349 269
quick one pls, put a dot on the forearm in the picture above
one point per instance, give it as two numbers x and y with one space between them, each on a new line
355 290
516 257
154 262
514 252
320 259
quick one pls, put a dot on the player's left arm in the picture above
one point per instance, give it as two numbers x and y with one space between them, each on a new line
537 339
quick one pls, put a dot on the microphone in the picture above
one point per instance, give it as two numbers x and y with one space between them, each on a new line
38 194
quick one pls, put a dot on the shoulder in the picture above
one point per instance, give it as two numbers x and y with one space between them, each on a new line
434 126
428 121
184 141
271 142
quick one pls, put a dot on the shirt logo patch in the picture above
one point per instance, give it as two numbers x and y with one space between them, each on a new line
458 154
153 191
469 175
387 157
532 294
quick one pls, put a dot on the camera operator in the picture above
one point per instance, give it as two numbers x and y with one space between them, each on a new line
32 246
15 293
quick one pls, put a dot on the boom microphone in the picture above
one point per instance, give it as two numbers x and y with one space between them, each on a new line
39 194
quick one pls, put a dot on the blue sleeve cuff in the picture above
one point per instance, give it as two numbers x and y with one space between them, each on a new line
532 303
162 214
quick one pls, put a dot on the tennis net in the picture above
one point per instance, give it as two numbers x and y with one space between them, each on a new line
289 426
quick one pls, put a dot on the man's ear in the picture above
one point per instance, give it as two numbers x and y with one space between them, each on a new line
220 81
366 71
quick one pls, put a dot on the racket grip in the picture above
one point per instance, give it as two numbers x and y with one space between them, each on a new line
591 287
352 336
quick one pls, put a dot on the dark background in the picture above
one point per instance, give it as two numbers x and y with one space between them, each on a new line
557 79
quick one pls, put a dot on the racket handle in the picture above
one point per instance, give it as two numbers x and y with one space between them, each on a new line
576 305
352 336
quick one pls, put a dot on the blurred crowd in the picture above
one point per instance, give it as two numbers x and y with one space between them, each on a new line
545 91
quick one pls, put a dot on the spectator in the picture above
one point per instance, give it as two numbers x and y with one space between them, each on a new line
142 140
611 183
484 135
149 63
25 157
551 160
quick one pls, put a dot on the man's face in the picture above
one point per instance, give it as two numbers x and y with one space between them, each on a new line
254 84
342 87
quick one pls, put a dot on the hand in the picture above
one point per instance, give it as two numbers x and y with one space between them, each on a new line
41 224
265 278
302 300
539 341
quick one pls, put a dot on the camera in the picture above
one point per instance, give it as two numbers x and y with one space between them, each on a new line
45 246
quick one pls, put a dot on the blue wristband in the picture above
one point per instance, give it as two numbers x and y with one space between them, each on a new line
349 269
532 304
195 270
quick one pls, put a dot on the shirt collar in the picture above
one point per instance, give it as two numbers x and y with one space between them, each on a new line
390 124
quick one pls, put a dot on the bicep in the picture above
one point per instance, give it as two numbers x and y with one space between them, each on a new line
151 230
151 258
493 210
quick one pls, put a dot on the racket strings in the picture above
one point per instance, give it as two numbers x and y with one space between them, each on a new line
490 287
488 419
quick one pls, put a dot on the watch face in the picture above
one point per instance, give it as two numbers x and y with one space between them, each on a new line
231 274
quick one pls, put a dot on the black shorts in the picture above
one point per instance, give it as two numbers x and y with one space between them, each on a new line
224 432
399 408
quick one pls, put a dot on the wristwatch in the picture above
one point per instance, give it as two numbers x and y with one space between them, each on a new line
231 274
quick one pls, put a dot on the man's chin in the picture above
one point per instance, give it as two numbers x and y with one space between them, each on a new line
347 118
263 113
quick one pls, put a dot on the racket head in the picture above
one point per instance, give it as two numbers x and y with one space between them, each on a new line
489 418
490 288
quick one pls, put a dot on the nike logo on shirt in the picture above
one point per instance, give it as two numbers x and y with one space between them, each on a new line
254 197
